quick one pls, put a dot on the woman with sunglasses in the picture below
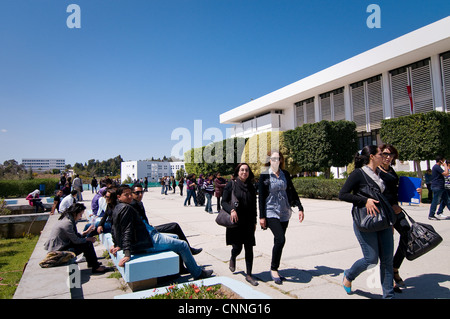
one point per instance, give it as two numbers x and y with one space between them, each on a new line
276 197
387 173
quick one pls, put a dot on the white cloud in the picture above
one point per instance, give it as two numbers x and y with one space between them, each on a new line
3 130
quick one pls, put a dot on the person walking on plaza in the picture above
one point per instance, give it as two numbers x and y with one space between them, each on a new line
208 188
219 185
190 190
132 234
374 245
437 186
387 173
94 184
244 214
276 197
78 186
180 185
445 201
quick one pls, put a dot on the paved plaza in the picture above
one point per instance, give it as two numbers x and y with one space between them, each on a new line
315 255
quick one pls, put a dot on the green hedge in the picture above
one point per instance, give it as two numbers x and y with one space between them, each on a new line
21 188
313 187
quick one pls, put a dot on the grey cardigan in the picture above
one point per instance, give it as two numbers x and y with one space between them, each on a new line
63 234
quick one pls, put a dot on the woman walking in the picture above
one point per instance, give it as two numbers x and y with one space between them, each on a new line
219 184
276 197
244 214
374 245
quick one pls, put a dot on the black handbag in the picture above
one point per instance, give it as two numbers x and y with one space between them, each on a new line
224 218
382 220
421 238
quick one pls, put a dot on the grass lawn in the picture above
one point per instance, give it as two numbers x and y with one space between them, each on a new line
14 254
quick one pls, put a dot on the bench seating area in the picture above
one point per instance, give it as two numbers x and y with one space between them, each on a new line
142 271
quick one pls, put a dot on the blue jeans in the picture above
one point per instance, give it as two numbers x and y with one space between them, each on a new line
437 194
208 207
376 245
445 201
190 192
165 242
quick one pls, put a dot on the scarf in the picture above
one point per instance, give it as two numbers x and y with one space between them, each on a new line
375 177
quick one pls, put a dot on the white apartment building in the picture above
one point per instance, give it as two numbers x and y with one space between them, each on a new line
408 75
44 164
153 170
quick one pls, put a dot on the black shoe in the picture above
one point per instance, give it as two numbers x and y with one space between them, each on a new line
251 280
205 274
232 266
196 251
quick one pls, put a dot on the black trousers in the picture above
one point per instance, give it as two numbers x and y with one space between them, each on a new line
236 250
279 230
402 226
89 253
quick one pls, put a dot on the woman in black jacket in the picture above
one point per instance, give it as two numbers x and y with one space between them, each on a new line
391 180
244 214
377 245
276 197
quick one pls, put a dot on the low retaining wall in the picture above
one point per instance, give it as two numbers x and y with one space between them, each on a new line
15 226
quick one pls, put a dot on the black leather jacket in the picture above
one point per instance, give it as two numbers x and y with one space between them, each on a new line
129 231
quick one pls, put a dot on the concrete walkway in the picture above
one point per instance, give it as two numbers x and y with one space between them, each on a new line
315 255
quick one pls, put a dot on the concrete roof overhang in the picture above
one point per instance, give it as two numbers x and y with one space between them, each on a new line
412 47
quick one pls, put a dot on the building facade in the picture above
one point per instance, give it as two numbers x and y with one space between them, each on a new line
408 75
153 170
44 164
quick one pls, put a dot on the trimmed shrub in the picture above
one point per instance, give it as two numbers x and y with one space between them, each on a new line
21 188
313 187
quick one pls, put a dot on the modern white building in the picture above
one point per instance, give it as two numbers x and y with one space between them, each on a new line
153 170
44 164
408 75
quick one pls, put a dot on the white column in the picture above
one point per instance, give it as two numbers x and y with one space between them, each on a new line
387 101
436 79
348 103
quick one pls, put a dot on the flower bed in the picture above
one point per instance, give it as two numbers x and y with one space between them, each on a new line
193 291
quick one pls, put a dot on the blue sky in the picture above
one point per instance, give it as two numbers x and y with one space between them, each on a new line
138 69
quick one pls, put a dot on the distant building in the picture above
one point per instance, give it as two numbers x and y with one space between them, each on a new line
44 164
153 170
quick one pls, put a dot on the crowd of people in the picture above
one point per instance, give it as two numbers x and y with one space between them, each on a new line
119 210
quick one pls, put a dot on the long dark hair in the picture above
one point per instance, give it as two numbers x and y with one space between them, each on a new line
73 211
364 158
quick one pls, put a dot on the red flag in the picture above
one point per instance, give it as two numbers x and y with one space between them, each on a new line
408 87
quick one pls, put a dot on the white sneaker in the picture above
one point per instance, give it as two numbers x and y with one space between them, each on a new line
80 259
441 216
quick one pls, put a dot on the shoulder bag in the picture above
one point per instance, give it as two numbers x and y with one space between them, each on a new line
421 239
223 218
382 220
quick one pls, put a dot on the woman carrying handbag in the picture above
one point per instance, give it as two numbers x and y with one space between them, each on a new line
375 245
243 213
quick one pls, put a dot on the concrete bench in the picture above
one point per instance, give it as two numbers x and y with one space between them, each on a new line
142 271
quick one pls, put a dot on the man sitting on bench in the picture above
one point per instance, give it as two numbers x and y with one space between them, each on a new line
133 235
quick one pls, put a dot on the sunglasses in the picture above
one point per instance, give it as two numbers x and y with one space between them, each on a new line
138 192
275 159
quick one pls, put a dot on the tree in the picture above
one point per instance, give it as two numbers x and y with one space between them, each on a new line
418 137
221 156
319 146
257 147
